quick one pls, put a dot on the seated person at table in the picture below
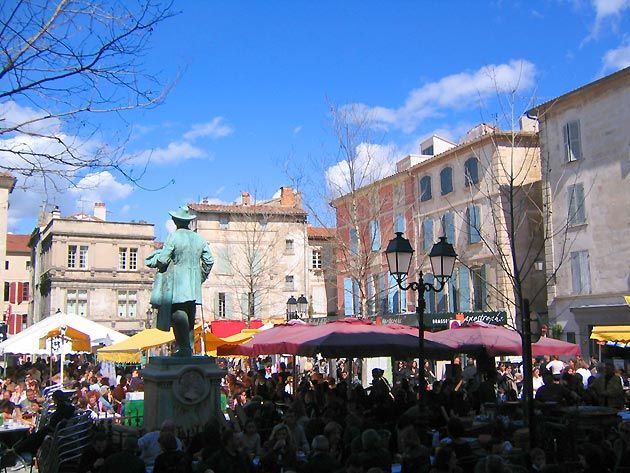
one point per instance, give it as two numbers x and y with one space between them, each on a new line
9 410
63 410
553 391
454 441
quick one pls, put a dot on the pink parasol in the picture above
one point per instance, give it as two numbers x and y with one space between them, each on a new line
351 337
267 342
496 341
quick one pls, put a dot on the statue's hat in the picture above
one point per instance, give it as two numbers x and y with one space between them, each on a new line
182 213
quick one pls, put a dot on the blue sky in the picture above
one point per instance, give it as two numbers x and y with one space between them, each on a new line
250 109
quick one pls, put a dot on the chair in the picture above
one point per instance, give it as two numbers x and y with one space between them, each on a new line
63 448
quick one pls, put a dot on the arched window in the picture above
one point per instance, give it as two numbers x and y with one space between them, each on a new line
471 171
425 189
446 180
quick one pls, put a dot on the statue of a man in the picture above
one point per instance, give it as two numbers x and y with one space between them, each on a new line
183 263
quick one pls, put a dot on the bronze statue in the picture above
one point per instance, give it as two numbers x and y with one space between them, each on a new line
183 263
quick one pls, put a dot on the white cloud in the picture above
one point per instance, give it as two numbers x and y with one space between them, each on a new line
99 187
455 91
214 129
608 10
175 151
297 129
370 163
616 59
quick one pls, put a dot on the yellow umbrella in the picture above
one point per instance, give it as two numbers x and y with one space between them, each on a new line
611 333
212 342
80 341
130 350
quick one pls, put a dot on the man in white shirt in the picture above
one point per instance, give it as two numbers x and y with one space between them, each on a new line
556 366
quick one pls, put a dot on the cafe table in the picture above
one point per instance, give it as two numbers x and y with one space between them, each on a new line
11 432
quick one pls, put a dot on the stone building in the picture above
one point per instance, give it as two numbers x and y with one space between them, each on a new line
262 258
7 182
585 143
463 193
88 266
17 282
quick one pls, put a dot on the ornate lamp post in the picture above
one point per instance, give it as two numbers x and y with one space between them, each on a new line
442 258
302 306
292 308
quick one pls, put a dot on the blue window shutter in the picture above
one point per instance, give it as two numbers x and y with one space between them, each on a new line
474 235
355 297
586 272
376 236
427 234
471 171
222 264
216 305
429 295
463 276
257 303
399 225
383 294
370 289
354 242
392 289
484 288
425 189
576 280
446 180
244 305
452 293
449 228
441 300
403 301
228 306
573 140
347 296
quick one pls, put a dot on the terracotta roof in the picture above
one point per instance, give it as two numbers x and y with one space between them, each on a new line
320 233
18 243
247 209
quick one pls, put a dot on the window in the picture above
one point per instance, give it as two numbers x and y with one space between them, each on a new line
473 223
577 211
263 223
288 246
289 282
448 227
72 256
399 195
446 181
127 304
83 257
397 298
28 264
428 151
221 305
479 288
425 189
316 260
471 171
25 291
354 242
224 222
399 224
427 234
222 262
376 235
76 302
572 141
348 297
580 272
6 264
7 291
128 259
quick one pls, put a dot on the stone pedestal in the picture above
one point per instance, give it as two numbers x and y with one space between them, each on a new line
185 390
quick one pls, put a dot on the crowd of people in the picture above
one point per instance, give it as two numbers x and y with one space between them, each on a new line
327 421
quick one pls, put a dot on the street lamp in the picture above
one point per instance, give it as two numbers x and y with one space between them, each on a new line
302 306
442 258
292 306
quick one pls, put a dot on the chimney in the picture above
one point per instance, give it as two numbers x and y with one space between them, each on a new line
100 211
56 213
245 198
287 197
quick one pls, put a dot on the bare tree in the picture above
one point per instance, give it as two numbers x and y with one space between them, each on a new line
359 161
63 63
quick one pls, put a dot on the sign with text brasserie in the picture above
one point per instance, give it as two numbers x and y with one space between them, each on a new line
432 321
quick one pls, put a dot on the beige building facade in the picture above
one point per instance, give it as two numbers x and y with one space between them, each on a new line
262 258
94 268
17 283
465 194
585 143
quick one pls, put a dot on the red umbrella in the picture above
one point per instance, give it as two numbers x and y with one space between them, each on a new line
267 342
351 337
497 340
